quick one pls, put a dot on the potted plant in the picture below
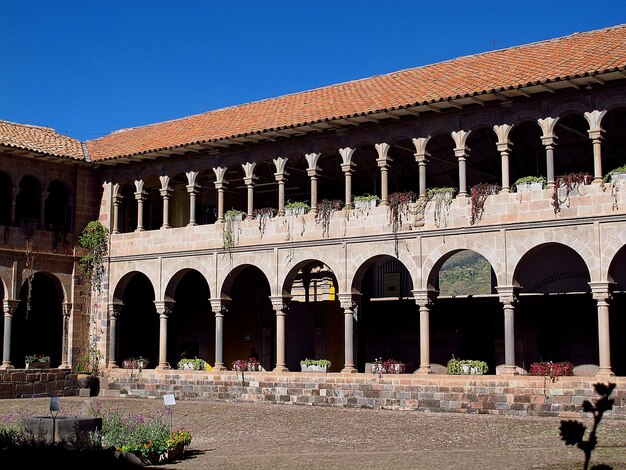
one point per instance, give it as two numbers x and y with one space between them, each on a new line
246 365
366 201
262 216
553 370
315 365
616 174
192 364
529 183
389 366
325 211
132 363
297 208
37 361
466 367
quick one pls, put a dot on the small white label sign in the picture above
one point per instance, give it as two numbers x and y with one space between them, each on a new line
169 400
54 404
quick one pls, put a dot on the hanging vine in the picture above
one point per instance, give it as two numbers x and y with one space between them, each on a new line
442 198
231 229
616 178
325 211
30 262
569 183
262 216
398 206
478 196
95 240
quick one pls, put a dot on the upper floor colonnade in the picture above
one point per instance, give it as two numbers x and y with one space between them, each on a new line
448 155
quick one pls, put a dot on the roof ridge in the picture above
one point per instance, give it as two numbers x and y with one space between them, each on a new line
358 80
38 126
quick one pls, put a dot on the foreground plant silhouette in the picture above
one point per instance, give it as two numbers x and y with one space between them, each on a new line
573 432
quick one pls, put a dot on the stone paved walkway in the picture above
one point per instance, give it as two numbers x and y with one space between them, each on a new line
263 436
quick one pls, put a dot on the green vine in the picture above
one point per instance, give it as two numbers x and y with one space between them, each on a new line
95 240
262 216
398 205
615 177
324 213
231 228
442 198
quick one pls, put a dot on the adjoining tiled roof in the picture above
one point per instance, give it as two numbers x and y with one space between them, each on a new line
39 139
577 55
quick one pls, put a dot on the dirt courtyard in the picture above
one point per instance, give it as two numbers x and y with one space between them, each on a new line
264 436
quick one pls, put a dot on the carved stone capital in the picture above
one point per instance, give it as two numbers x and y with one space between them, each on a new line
507 295
164 307
424 298
115 309
219 306
9 306
280 304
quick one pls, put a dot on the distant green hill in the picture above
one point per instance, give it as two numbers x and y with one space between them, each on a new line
465 273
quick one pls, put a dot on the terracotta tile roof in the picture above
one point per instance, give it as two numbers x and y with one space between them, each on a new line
39 139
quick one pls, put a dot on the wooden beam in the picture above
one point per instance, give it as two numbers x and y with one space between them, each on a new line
433 108
477 100
523 92
573 84
548 88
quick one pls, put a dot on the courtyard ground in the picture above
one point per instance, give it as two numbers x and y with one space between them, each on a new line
264 436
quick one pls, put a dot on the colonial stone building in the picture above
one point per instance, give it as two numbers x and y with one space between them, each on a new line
186 275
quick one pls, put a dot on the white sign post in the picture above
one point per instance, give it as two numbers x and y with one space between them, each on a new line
54 411
169 401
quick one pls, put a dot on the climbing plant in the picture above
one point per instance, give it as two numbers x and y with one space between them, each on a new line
95 240
478 196
262 216
569 183
441 198
231 228
325 210
398 206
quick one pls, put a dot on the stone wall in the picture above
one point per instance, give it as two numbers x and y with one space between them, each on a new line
35 383
519 396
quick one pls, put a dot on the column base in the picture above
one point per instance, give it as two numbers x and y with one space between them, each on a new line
191 224
163 366
349 369
280 369
64 366
6 366
509 370
605 372
597 180
423 370
219 367
112 365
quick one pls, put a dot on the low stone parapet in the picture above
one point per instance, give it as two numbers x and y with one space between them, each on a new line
510 395
35 383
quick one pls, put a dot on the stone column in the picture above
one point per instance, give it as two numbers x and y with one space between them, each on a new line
504 147
349 309
347 166
192 189
248 180
548 139
220 186
421 157
117 200
383 161
281 179
14 194
140 197
42 210
508 297
65 350
219 309
424 299
114 313
313 172
461 152
279 304
166 194
595 132
8 307
164 309
602 295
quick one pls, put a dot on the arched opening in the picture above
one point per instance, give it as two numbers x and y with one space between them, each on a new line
442 169
617 307
614 139
28 202
484 163
573 152
387 318
57 213
6 197
314 317
138 324
250 321
38 320
366 175
330 179
556 318
403 171
128 208
466 318
153 204
528 155
191 327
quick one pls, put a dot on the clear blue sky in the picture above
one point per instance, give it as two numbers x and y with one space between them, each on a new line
86 68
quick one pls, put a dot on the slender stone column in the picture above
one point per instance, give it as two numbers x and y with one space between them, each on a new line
421 157
461 152
508 297
349 308
281 179
65 350
279 304
42 209
595 132
219 309
248 180
424 299
164 309
383 161
548 139
140 197
504 147
14 194
347 166
602 295
117 200
220 186
313 172
166 194
114 313
8 307
192 190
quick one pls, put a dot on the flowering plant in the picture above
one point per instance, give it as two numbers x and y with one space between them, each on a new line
36 358
132 363
241 365
390 366
552 369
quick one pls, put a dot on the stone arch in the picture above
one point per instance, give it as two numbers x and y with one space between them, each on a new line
38 320
122 284
570 107
225 283
362 261
617 269
617 305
